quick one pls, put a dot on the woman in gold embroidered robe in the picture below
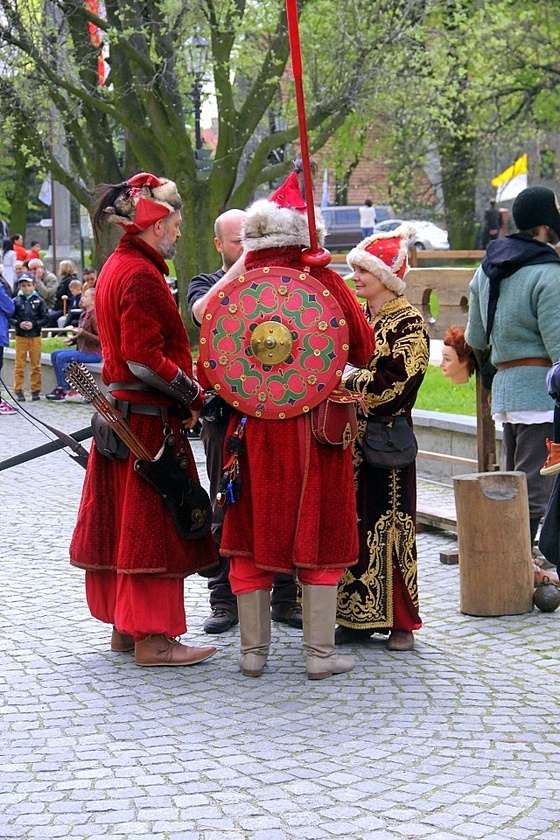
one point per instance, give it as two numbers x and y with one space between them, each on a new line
380 593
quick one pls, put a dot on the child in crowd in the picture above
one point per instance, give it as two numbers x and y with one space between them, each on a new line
30 314
73 310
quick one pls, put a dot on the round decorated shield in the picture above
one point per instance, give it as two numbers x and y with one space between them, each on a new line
274 342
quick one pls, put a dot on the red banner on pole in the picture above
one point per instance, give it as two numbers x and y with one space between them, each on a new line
95 37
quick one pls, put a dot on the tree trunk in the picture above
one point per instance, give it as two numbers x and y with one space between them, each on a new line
458 167
20 193
195 249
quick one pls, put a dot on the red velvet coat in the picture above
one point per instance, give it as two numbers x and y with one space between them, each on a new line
123 524
298 504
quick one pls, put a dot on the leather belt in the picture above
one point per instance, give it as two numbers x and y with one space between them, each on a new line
535 361
130 386
143 408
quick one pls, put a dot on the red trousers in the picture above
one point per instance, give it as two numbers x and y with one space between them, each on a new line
244 576
139 605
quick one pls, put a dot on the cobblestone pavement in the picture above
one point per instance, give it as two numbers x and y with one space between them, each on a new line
457 739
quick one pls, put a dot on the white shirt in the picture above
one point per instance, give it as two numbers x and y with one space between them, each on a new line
367 216
526 418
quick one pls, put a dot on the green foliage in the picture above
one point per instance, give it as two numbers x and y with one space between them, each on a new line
147 100
464 81
438 394
430 83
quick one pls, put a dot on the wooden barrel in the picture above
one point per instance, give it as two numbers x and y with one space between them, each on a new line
495 562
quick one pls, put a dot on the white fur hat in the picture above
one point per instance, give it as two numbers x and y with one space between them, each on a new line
281 221
385 255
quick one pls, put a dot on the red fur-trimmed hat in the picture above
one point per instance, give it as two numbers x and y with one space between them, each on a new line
281 220
144 200
385 255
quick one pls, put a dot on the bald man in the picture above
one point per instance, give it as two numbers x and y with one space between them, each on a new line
228 239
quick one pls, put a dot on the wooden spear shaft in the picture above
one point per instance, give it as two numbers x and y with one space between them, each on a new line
314 256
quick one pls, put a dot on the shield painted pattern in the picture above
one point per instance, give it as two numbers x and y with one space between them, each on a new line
274 342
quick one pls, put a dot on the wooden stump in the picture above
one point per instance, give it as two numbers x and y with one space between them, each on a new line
496 567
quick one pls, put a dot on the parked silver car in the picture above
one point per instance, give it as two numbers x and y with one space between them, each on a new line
429 237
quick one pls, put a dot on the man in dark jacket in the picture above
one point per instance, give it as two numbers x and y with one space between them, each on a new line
492 224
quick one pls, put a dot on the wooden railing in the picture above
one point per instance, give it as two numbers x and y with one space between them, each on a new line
416 254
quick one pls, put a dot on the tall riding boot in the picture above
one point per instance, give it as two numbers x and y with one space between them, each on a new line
319 616
254 628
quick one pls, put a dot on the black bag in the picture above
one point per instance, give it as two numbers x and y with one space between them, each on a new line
389 442
215 410
107 441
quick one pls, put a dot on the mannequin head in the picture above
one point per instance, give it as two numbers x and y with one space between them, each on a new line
457 362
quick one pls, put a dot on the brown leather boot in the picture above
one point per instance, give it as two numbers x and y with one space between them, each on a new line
319 615
552 463
400 640
121 642
161 650
254 629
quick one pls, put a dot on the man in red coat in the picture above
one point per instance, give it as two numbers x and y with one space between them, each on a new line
135 561
297 508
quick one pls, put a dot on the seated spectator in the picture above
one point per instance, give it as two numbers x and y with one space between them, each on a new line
33 253
88 350
68 272
45 282
20 270
73 306
89 277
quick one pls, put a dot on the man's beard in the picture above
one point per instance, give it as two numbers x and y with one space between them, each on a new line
167 247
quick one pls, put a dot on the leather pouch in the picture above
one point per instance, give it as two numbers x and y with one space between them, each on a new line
335 420
107 441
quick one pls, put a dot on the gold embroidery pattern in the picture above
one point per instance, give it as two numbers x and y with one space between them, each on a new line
400 333
366 602
365 597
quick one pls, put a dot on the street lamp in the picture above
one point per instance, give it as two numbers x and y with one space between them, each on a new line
196 50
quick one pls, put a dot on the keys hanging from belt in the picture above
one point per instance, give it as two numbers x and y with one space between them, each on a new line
230 484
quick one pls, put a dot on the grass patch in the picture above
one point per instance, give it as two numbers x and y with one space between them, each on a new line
48 345
438 394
